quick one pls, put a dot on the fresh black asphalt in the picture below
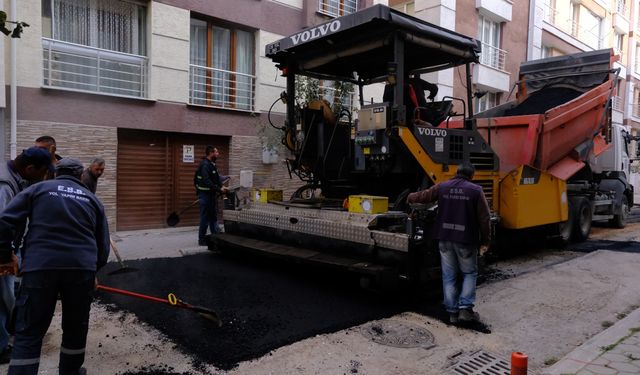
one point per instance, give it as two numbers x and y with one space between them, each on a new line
263 304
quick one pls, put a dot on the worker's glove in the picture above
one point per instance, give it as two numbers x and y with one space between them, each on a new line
10 268
483 249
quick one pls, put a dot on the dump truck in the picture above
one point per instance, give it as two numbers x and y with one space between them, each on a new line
551 159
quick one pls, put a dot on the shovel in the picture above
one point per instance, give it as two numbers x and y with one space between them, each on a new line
174 218
123 268
171 300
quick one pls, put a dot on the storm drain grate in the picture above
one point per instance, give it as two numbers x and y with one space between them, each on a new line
481 363
398 334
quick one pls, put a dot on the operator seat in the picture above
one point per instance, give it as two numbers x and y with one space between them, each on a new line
416 103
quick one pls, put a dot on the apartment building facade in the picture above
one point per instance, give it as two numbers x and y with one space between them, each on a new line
564 26
147 84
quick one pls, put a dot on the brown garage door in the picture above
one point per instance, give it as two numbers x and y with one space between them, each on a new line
154 179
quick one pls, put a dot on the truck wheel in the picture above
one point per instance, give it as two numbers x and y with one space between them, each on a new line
566 227
620 220
582 219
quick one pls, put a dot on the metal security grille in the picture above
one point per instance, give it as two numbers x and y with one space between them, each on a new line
481 363
154 179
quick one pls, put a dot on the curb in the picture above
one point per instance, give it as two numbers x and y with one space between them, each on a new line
592 348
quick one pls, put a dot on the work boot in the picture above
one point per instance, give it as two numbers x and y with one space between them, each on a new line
468 315
453 318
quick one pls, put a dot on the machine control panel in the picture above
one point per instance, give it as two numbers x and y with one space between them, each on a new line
372 119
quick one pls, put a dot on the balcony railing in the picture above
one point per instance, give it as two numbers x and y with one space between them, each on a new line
569 26
221 88
337 8
493 56
621 7
617 103
83 68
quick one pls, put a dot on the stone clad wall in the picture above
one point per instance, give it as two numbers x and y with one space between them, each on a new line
246 154
83 142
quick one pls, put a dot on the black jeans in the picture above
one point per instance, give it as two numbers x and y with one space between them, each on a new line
35 306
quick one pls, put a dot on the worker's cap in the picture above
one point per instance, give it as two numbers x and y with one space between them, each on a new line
73 165
37 156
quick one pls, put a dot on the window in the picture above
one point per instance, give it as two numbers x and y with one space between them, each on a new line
222 66
636 103
590 30
550 11
112 25
95 45
637 67
575 17
489 34
547 52
621 7
617 102
487 101
618 44
336 8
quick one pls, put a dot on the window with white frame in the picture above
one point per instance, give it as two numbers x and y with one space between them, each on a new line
95 45
618 43
487 101
113 25
621 7
590 28
222 66
637 67
550 11
489 33
547 52
636 102
575 18
337 8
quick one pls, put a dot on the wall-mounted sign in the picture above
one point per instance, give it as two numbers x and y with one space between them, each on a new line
188 153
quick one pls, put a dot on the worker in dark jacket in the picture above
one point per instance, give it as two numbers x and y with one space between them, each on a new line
66 243
15 175
208 184
462 224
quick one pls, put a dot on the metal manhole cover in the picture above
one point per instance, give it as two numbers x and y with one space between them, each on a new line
481 363
398 334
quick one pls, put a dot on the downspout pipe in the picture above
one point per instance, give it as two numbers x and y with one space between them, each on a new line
14 89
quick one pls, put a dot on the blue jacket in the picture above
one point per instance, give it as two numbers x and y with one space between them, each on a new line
67 226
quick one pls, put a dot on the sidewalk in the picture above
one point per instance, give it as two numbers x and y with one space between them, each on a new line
613 351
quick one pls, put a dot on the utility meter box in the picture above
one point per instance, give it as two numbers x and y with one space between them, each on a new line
368 204
266 195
